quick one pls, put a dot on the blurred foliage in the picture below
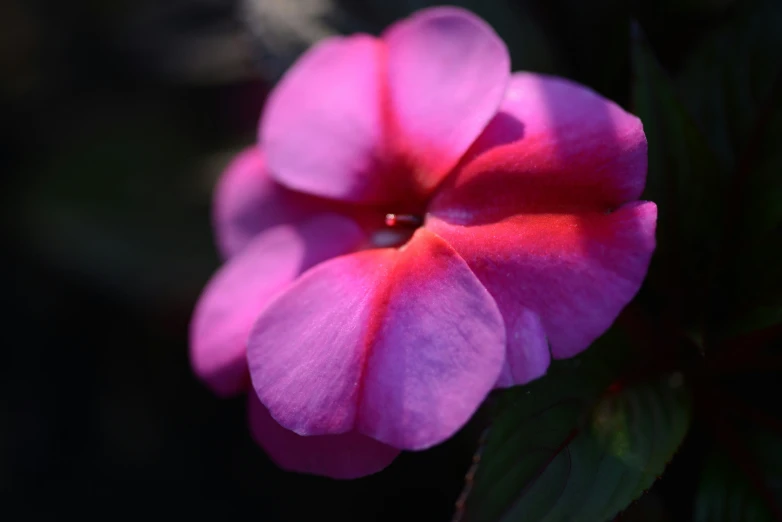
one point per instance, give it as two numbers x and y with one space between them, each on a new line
726 495
118 118
575 445
707 83
84 207
686 183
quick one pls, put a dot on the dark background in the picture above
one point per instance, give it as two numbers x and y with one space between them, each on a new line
115 120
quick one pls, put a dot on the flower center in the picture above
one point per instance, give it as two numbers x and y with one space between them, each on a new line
398 230
408 221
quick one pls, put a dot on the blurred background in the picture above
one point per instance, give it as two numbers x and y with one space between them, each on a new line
116 119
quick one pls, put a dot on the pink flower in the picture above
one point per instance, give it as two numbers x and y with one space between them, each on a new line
516 236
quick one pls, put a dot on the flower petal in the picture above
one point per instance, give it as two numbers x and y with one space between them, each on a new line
447 71
346 456
528 355
238 292
576 272
321 128
400 345
555 146
382 121
527 210
248 201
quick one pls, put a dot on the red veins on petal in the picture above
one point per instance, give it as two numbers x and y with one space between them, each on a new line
542 209
408 353
368 120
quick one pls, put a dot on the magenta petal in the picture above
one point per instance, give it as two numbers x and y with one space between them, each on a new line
307 350
240 290
528 355
321 128
438 348
555 146
447 72
240 201
532 209
377 121
248 201
576 272
402 345
346 456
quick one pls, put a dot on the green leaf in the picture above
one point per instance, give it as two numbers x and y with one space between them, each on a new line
727 78
571 447
726 494
687 182
732 83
